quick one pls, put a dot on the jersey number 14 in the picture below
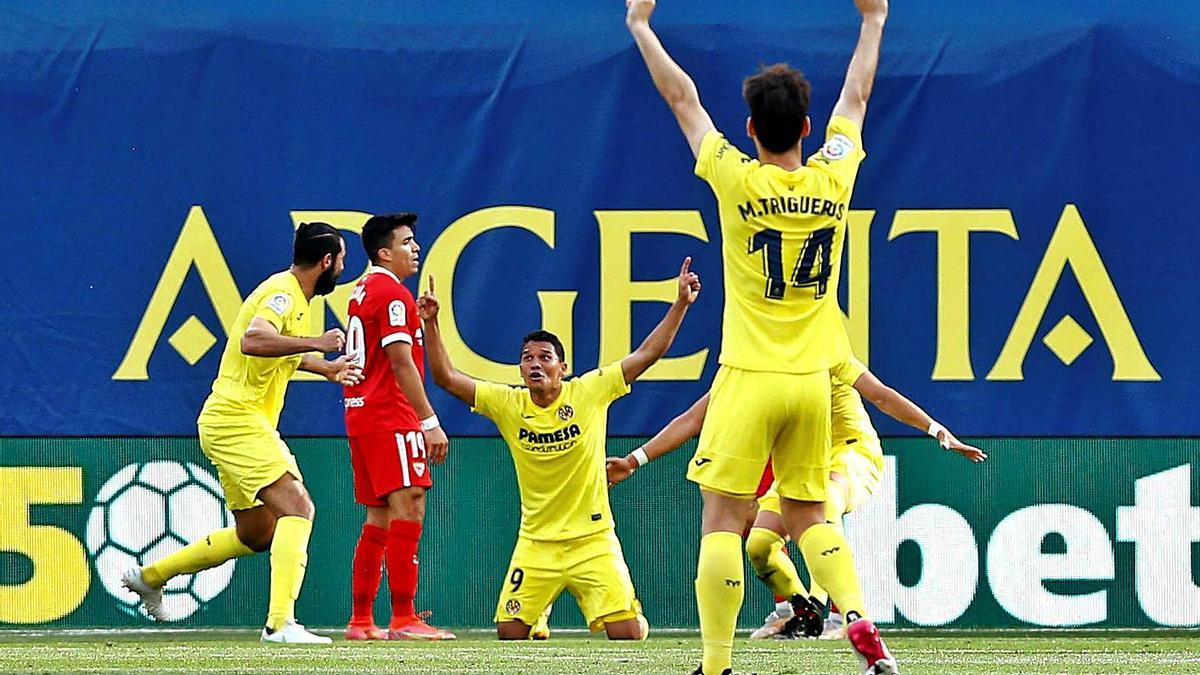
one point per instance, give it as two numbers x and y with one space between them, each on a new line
813 268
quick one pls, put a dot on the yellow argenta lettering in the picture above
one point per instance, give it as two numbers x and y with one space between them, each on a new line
196 247
953 229
858 291
442 260
618 290
1072 245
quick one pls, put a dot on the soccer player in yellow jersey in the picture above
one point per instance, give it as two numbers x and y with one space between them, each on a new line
783 225
855 472
555 431
262 484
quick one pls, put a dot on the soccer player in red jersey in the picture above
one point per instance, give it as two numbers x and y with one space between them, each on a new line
394 433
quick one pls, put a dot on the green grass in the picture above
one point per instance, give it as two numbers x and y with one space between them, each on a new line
475 652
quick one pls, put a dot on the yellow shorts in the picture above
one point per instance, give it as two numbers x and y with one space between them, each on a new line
248 457
753 416
592 568
857 465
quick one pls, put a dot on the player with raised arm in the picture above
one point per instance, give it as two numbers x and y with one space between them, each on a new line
783 225
258 473
394 433
857 467
555 431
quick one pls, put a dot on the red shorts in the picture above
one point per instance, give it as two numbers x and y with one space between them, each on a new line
386 462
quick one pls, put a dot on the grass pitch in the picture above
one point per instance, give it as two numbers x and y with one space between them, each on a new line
478 652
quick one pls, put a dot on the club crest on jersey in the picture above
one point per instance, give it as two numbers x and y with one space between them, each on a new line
419 467
565 412
279 303
837 147
513 607
396 314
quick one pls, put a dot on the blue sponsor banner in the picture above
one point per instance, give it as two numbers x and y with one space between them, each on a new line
1021 255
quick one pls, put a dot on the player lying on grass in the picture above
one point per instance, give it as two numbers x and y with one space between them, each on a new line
854 475
394 434
555 431
262 484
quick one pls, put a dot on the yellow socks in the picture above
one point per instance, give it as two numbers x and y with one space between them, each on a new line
289 555
720 586
771 563
210 551
835 508
827 554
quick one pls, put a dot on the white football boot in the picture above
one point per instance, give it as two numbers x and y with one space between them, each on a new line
293 633
151 598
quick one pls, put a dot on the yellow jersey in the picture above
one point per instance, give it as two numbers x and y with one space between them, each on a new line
255 385
850 423
782 235
558 451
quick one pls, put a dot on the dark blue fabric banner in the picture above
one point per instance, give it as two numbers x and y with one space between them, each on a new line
1021 257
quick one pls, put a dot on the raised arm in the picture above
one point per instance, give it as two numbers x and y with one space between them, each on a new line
660 339
672 436
895 405
444 374
675 86
860 76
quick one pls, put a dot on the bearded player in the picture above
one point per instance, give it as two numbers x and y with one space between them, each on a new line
783 224
856 470
555 431
394 433
262 484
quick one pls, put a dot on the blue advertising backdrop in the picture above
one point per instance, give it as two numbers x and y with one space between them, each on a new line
1023 247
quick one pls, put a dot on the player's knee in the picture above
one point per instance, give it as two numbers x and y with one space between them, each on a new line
407 504
631 629
759 547
512 630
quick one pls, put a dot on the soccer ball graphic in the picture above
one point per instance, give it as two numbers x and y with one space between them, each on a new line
150 510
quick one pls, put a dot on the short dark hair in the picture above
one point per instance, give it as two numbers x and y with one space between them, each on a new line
379 230
313 242
778 97
545 336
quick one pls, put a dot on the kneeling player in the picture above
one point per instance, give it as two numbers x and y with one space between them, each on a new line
855 472
393 431
555 430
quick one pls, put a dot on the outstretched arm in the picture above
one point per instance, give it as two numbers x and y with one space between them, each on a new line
444 374
895 405
660 339
672 436
860 76
675 86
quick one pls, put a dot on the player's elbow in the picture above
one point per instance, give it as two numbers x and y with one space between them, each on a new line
250 345
683 101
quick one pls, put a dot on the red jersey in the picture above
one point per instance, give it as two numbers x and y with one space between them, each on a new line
382 311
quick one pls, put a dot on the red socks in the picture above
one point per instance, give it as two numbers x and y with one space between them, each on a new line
368 568
402 539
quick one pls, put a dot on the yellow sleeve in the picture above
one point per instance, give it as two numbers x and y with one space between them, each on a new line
276 307
605 384
842 153
720 163
492 400
847 372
